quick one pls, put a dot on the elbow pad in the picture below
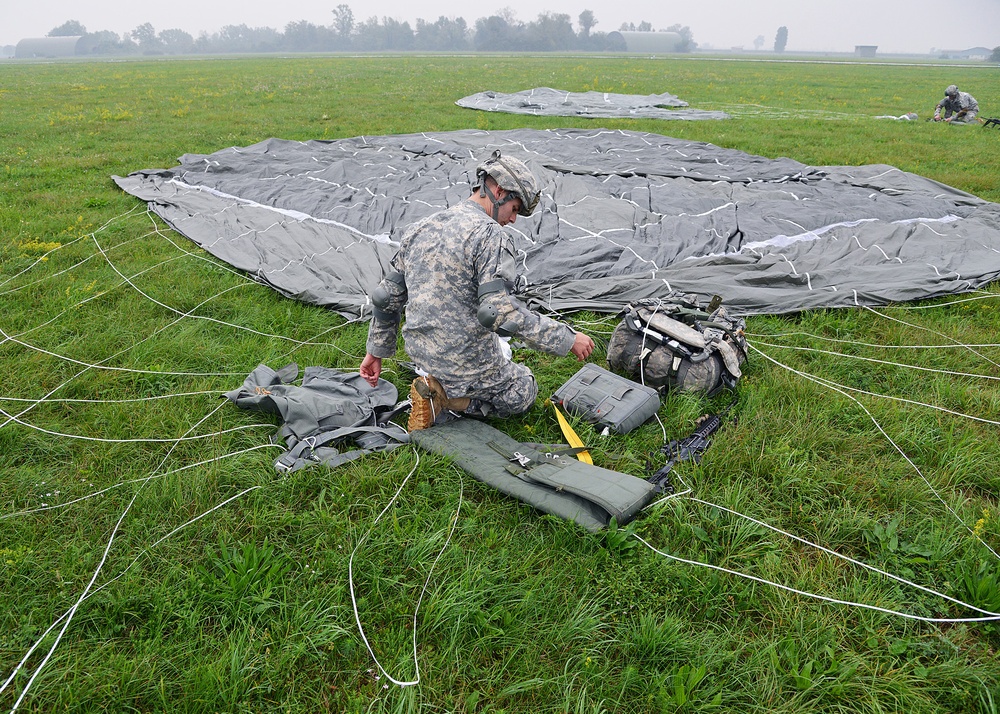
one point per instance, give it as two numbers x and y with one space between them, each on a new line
388 297
487 313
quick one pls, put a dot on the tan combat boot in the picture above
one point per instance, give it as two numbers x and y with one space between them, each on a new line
428 401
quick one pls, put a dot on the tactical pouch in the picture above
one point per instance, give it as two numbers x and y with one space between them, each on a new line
553 483
606 399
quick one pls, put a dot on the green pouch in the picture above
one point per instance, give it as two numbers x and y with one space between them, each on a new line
556 484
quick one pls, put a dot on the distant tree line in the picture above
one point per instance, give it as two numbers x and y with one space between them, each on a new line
501 32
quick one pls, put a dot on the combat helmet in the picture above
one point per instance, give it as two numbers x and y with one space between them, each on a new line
952 90
513 176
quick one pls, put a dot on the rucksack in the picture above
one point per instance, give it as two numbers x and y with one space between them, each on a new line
330 408
672 343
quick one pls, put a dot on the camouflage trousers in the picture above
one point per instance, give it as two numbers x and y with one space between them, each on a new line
510 391
969 118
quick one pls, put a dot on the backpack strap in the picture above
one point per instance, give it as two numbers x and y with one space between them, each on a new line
313 449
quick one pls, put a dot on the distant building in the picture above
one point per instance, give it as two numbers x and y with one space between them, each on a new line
973 53
647 42
865 50
39 47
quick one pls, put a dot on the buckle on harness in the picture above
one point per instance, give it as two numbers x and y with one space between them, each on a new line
303 450
520 459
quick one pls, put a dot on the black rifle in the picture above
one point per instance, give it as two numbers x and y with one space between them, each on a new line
690 448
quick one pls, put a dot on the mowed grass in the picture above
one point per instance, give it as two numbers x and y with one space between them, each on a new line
214 585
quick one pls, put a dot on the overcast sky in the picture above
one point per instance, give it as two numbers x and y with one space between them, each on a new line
916 26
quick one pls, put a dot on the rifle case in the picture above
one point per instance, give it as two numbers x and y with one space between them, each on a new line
553 483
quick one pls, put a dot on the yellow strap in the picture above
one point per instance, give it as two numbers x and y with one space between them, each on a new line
571 438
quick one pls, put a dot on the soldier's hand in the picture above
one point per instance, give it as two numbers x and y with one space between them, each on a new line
371 368
582 347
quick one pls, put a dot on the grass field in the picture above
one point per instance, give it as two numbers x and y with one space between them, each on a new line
152 560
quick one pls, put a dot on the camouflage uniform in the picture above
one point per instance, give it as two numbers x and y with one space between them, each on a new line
956 102
445 259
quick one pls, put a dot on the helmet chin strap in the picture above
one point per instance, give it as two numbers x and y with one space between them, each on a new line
494 200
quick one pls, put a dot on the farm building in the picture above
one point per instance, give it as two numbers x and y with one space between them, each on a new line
865 50
647 42
48 47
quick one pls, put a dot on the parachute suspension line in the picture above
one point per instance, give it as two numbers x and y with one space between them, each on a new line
155 231
841 390
90 590
816 596
982 295
423 590
189 313
94 494
73 267
81 302
131 400
312 341
871 344
144 551
904 400
10 417
880 361
100 565
218 264
987 614
935 332
44 257
248 281
847 558
100 365
140 440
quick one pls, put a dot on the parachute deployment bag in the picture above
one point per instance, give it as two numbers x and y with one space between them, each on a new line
671 343
554 483
607 399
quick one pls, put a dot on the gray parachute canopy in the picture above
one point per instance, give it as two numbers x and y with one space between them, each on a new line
544 101
623 216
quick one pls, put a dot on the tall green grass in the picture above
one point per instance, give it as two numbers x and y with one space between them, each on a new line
225 588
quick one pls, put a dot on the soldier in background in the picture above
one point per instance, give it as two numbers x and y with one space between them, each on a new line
962 104
452 273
